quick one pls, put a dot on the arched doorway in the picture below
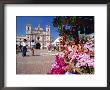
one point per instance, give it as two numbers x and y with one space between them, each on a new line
38 45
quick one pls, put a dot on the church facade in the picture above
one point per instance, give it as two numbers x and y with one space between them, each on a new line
41 36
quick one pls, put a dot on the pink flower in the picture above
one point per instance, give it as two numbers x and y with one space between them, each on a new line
78 65
71 54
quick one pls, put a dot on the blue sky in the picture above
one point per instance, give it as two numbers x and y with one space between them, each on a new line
21 21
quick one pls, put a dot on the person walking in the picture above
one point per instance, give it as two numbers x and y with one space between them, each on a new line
33 47
20 47
24 47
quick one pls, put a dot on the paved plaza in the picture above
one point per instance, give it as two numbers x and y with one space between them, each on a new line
40 63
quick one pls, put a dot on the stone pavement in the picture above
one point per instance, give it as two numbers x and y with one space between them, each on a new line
40 63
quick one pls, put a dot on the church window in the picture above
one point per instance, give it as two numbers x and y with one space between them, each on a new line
28 28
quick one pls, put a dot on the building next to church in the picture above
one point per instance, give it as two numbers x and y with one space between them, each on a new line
42 37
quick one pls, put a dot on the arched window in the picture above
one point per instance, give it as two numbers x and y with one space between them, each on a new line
48 30
28 28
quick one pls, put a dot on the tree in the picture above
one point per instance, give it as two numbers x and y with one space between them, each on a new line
65 25
69 26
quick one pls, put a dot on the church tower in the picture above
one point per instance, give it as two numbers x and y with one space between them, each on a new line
48 39
48 29
28 31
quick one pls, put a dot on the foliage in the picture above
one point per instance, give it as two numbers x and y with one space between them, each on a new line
69 26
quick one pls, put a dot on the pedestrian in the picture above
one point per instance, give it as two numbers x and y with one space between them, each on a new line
17 48
24 47
33 47
20 46
49 47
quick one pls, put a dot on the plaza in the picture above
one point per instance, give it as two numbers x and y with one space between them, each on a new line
40 63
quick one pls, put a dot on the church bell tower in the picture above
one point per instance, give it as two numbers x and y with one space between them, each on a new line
48 29
48 39
28 31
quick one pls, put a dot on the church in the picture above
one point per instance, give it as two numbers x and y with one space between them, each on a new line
41 36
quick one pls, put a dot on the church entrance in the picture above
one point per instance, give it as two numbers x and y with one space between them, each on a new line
38 46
